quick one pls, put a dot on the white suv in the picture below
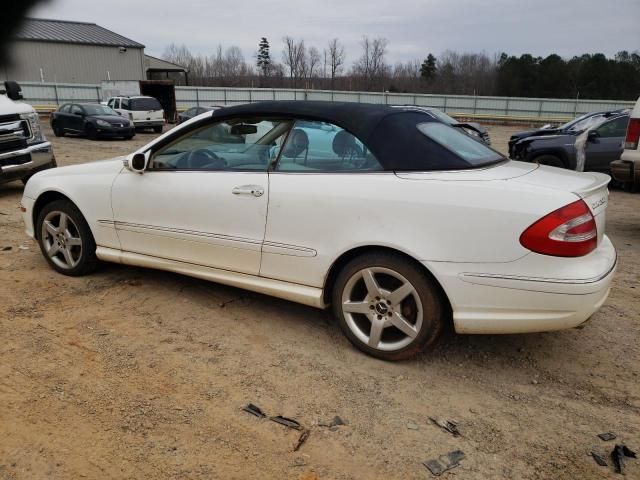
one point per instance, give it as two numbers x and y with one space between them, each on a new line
144 112
627 169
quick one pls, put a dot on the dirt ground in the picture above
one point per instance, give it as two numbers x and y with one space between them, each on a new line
132 373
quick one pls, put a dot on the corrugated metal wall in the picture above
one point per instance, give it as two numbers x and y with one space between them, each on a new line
43 94
69 63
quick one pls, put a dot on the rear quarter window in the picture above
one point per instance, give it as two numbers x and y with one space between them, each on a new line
472 151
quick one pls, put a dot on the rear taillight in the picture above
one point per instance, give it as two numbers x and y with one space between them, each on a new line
633 134
569 231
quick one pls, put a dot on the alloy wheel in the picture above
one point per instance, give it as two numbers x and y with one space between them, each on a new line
382 308
61 239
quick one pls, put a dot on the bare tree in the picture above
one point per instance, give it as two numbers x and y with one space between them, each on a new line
371 66
294 58
336 59
313 63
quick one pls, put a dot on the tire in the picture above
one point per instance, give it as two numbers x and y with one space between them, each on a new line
128 137
53 164
80 257
57 131
90 132
550 160
157 129
373 304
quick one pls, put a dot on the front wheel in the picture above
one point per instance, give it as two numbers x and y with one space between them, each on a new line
57 131
90 131
387 306
157 129
65 239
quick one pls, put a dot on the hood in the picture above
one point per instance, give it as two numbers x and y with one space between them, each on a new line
8 106
534 133
113 165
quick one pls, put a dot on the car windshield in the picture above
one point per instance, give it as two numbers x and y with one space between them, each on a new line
144 103
475 153
99 110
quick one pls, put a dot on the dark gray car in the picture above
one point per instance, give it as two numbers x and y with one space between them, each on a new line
604 145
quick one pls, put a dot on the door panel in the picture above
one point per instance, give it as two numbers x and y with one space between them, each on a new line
192 216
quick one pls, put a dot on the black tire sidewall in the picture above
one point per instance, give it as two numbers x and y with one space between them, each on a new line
543 159
88 260
433 306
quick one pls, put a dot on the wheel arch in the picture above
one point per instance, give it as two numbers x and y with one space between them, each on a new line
555 152
349 255
44 199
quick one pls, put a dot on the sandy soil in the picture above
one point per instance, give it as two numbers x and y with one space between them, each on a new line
130 373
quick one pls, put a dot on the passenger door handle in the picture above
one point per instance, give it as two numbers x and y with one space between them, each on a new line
255 190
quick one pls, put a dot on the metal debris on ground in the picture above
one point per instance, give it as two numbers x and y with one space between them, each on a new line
224 304
301 439
334 422
448 425
607 436
599 458
618 454
6 249
23 247
287 422
253 410
446 462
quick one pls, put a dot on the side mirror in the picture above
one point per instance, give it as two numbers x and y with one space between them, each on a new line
137 162
13 89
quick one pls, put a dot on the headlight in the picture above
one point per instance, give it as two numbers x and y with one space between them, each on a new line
34 125
102 123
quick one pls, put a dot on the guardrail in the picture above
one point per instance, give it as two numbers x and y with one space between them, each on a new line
47 96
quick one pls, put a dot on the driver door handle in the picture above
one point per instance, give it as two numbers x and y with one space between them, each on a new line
255 190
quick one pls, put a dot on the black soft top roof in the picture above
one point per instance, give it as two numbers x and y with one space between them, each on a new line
391 134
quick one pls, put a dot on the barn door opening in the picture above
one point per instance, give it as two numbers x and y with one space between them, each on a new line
165 92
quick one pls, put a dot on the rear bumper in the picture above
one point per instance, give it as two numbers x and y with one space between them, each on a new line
500 298
148 123
19 163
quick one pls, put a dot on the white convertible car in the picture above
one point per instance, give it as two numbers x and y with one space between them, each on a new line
401 223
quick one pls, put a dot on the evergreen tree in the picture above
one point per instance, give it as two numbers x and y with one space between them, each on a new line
428 68
264 57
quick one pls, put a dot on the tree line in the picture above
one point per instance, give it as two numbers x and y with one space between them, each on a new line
299 65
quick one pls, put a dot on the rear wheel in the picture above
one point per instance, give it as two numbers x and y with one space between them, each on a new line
65 239
158 129
388 307
550 160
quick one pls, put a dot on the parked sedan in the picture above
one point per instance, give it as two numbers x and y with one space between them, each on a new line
604 145
569 128
90 120
195 111
401 223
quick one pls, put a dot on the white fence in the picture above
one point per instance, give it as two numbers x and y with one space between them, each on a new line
48 95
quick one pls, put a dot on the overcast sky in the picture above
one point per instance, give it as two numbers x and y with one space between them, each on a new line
413 28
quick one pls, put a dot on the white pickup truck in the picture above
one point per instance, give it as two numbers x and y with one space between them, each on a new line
144 112
627 169
24 150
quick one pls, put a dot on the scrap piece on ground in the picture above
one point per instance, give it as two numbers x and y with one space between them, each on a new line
600 460
446 462
448 425
334 422
287 422
607 436
301 439
618 454
253 410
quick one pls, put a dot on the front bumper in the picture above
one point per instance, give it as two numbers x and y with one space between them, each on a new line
19 163
148 123
553 294
116 131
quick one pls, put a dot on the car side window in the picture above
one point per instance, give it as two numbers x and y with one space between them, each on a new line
75 109
111 102
65 108
314 146
240 144
124 104
614 128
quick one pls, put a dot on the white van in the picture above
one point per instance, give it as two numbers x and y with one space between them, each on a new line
144 112
627 169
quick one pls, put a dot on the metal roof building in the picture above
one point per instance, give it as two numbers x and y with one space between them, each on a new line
73 52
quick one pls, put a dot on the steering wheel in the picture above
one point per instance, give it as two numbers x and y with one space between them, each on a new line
203 158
